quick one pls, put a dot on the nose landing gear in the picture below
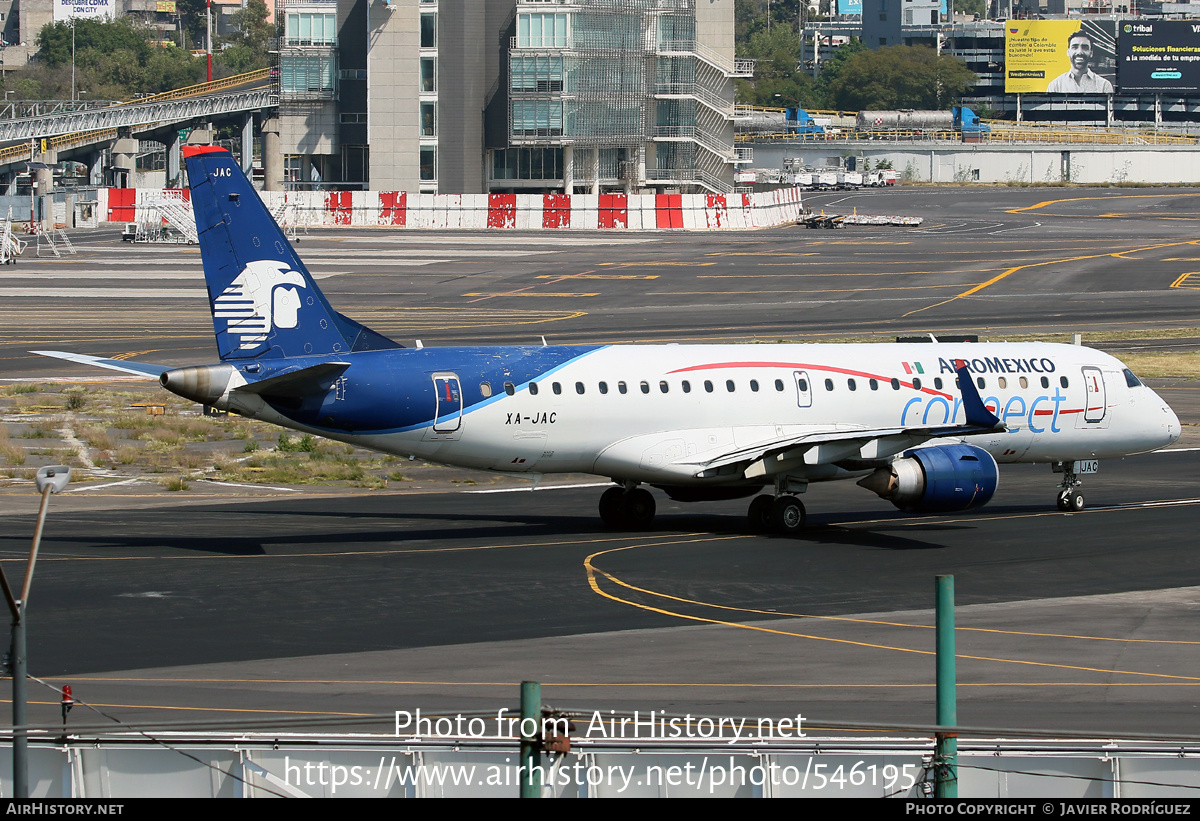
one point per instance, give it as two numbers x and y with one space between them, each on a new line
1070 497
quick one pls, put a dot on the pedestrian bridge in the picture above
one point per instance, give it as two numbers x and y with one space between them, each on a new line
242 94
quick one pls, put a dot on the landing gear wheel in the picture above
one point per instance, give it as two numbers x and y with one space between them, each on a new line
760 514
1064 500
1075 502
610 506
637 509
787 515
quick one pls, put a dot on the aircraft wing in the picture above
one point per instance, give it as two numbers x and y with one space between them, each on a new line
140 368
829 446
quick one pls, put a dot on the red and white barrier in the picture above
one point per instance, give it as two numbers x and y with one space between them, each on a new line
525 212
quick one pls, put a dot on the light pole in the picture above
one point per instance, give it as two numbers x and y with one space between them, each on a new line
208 48
72 59
50 479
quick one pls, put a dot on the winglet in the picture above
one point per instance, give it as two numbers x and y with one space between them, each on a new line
977 412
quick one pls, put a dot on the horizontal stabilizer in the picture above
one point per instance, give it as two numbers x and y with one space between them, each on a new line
299 383
140 368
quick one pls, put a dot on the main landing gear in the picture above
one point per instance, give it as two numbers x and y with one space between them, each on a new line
629 508
783 515
1070 497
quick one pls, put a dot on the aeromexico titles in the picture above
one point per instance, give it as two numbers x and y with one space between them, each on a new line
921 425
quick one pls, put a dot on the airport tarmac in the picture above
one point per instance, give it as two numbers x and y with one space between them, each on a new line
347 605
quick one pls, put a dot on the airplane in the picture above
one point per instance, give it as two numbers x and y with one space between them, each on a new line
923 425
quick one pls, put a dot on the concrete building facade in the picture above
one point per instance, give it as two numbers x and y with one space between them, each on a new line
472 96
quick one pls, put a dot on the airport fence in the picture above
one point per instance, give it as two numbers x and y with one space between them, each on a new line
345 766
298 210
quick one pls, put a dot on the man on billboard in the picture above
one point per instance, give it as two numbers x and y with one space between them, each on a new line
1080 79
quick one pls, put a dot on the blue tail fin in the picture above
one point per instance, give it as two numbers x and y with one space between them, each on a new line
265 304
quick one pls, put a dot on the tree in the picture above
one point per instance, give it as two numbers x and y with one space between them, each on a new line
92 37
113 61
776 70
831 68
900 77
193 18
253 30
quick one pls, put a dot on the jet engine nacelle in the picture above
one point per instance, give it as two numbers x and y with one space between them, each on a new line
938 479
204 383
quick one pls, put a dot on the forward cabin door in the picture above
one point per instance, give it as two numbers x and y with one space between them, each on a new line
448 401
1096 407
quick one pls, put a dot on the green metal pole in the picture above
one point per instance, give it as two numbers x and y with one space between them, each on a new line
531 758
946 758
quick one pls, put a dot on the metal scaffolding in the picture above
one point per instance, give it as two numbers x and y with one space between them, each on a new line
629 79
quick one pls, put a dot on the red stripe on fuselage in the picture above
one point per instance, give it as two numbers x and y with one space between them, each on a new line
803 366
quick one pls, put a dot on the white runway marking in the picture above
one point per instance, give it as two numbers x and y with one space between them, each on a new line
106 293
256 487
107 484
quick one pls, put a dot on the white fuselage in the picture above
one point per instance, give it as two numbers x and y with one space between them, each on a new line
658 414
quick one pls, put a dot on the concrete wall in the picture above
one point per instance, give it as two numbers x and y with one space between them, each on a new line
467 36
923 162
714 25
394 72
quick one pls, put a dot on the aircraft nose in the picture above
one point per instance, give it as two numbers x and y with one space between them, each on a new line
1173 429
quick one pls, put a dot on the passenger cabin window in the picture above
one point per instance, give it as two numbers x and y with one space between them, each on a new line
850 383
622 387
708 386
1024 382
1045 382
895 384
663 387
645 387
603 388
828 384
729 385
1002 382
754 385
485 388
981 382
556 387
1062 380
802 385
916 384
937 382
779 385
533 388
686 385
579 388
510 388
874 383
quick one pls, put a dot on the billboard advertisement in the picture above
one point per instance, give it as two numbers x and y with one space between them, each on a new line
1162 55
65 10
1059 56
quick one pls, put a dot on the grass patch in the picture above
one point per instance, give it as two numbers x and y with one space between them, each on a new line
74 399
177 483
1171 364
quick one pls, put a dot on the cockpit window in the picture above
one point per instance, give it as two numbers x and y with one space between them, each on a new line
1131 380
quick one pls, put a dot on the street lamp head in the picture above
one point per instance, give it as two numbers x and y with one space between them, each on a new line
54 477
